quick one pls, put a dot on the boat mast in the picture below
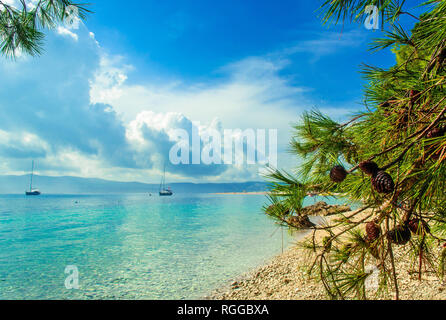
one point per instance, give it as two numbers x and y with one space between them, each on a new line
31 182
162 187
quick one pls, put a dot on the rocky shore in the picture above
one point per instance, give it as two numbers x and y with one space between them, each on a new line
302 221
285 277
321 208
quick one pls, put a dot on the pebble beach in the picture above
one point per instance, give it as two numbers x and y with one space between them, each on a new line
285 277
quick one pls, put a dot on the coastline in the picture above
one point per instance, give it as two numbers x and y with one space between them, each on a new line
285 277
264 193
261 193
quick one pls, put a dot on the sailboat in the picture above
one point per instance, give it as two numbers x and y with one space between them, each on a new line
163 190
32 192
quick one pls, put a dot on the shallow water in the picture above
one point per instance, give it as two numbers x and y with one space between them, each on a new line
131 246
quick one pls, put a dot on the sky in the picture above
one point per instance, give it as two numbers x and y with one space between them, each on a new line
106 98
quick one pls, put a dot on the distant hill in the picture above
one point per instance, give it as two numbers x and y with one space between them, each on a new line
76 185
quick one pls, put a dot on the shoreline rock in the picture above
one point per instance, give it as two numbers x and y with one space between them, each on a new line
301 222
321 208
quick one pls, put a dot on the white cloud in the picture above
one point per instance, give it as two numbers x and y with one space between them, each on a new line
93 123
22 144
252 96
67 33
18 3
327 43
108 79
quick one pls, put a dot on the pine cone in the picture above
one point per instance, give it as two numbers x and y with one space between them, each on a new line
382 182
418 228
369 167
338 174
435 133
373 231
399 235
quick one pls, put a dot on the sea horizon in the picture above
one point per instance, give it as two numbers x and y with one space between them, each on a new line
17 184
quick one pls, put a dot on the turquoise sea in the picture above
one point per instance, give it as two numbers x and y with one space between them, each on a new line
132 246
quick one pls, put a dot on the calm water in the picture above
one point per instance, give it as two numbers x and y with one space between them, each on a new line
131 246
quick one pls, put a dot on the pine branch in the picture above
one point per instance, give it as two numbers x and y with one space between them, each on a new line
21 29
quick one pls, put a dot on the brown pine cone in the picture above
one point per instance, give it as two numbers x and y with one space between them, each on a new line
373 231
369 167
419 227
338 174
435 133
382 182
399 235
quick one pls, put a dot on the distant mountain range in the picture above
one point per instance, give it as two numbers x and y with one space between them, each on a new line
76 185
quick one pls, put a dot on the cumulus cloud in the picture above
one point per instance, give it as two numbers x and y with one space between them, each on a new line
251 95
74 111
250 91
48 98
65 32
108 79
22 145
152 135
52 112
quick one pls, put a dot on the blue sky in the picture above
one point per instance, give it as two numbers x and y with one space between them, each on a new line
103 99
194 39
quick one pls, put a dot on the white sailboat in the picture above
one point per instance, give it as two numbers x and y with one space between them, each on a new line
163 190
32 191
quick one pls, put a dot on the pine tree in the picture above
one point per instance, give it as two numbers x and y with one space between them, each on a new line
393 155
21 27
